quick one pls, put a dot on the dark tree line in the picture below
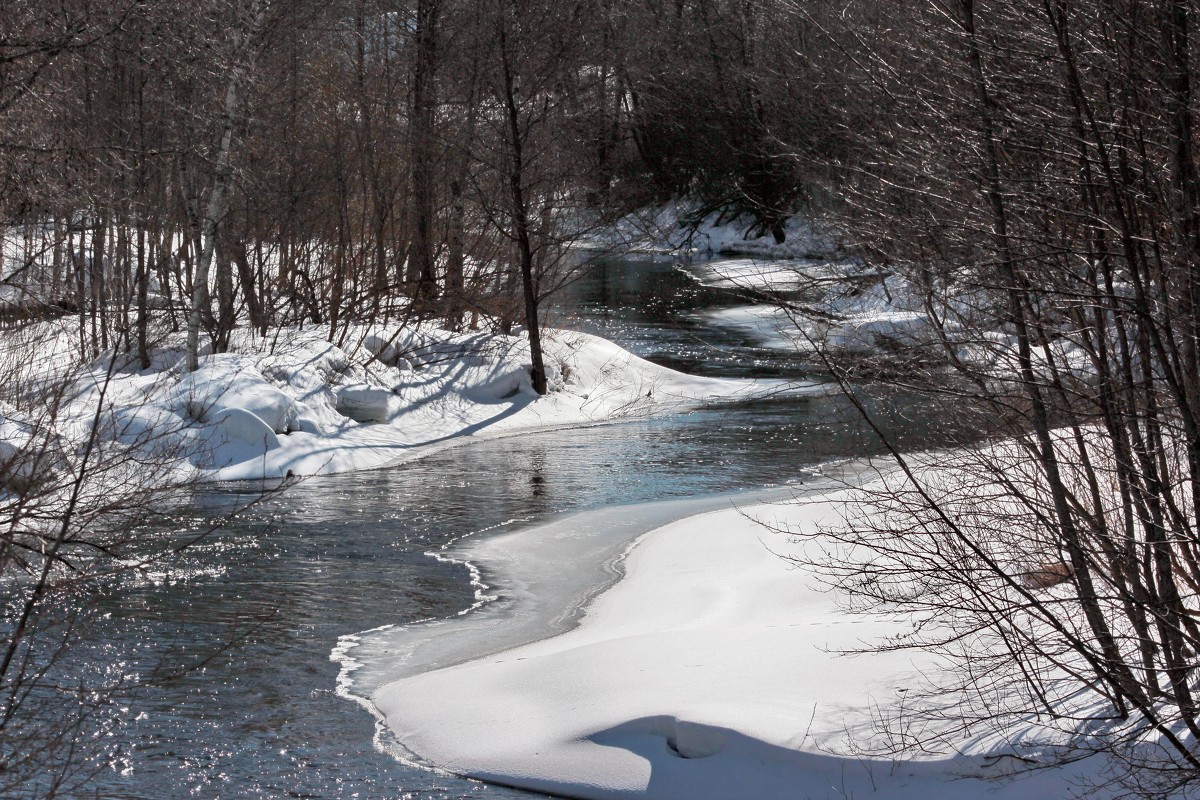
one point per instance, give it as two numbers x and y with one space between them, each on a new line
246 161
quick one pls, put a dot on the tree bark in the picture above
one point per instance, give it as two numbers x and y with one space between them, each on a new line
424 106
218 200
520 219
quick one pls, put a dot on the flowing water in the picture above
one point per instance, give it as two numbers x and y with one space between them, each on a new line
282 584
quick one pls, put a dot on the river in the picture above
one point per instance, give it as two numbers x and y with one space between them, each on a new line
347 553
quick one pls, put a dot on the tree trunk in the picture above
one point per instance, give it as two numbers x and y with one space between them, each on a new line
226 312
237 252
424 104
1112 666
143 296
218 200
520 221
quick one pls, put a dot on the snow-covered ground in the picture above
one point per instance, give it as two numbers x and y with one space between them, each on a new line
680 227
762 274
843 306
840 305
297 403
715 668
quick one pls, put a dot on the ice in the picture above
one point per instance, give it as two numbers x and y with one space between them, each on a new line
714 668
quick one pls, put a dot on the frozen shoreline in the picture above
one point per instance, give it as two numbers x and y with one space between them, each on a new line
536 581
297 404
708 669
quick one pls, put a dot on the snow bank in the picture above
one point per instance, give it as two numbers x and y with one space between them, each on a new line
843 306
712 669
231 382
786 329
834 305
763 274
680 226
297 403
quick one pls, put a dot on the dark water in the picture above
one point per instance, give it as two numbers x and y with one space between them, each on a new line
347 553
650 307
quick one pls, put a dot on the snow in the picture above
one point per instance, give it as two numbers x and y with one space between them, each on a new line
780 328
827 304
298 403
363 402
841 306
761 274
226 382
716 667
681 226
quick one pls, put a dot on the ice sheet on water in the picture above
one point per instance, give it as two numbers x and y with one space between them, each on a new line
531 584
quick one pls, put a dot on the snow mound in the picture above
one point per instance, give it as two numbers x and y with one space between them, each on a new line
363 402
231 382
299 403
236 435
711 671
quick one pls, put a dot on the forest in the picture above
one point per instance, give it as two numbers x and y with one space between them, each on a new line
329 161
1023 174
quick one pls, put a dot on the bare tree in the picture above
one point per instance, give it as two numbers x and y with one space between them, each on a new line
533 56
1029 174
86 486
217 204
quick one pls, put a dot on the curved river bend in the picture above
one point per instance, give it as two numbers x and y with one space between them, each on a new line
348 553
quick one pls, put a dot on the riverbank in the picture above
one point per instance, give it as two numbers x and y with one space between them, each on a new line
296 403
685 226
721 665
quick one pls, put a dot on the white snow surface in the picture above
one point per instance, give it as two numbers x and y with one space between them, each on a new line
838 305
681 226
714 669
298 403
844 306
763 274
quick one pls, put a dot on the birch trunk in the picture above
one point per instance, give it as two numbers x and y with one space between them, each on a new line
218 201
